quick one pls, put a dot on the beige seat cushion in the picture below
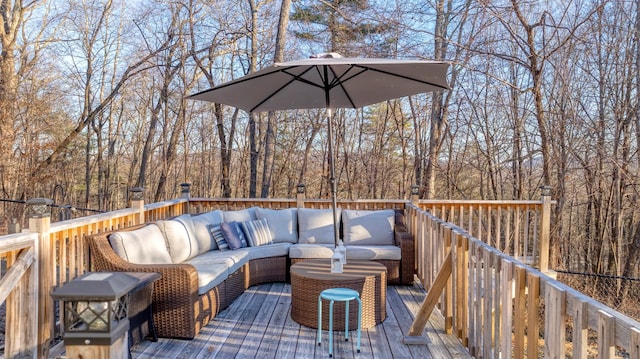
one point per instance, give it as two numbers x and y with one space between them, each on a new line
232 259
308 251
374 252
267 251
209 274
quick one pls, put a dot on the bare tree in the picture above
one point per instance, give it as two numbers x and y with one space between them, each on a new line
91 108
270 135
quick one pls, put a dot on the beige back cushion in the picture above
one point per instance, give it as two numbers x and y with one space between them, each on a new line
241 215
201 232
368 227
282 223
180 238
145 245
316 225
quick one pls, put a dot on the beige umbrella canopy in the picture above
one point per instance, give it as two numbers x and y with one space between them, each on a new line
329 81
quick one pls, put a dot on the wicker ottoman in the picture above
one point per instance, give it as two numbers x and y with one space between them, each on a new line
312 276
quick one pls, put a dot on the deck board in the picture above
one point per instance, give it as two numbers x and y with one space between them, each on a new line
259 324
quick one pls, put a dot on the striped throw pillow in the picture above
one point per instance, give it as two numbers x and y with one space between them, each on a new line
216 235
257 232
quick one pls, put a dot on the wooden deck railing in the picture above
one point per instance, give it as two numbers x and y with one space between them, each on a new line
199 205
50 254
517 228
500 307
18 287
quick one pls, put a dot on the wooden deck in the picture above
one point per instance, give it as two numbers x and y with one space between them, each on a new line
258 324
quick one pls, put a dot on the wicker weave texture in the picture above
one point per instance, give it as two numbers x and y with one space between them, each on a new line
265 270
178 310
310 277
394 273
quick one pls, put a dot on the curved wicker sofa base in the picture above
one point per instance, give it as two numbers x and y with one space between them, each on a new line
180 312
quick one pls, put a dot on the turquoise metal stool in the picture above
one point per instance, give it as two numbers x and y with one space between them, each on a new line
338 295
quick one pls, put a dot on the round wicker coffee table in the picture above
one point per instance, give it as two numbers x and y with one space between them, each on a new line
312 276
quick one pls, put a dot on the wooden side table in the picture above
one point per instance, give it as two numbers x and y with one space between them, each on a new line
312 276
140 312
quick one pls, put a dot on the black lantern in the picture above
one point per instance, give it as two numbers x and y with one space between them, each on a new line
415 189
300 188
546 190
95 308
39 207
137 193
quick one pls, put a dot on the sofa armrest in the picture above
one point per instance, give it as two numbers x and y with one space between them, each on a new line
103 258
404 240
181 280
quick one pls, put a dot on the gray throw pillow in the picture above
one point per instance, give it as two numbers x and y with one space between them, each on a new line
233 234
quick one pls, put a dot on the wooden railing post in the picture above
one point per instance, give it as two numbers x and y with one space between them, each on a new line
40 222
137 202
447 307
415 194
14 226
545 229
185 192
300 189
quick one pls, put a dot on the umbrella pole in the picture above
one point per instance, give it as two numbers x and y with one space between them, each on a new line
332 178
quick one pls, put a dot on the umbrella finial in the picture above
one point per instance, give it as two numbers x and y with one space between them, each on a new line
326 55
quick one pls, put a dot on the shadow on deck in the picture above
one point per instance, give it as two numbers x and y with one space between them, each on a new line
258 324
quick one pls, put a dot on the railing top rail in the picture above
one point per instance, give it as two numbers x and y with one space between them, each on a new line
484 202
12 242
293 200
168 203
95 218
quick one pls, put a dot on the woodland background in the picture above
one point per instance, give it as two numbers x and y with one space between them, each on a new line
93 103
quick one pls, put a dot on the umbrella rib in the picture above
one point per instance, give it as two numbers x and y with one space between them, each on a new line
340 80
402 76
235 82
293 78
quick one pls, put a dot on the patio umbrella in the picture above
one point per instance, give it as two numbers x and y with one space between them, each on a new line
328 81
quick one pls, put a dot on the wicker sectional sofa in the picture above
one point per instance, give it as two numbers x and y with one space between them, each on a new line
202 274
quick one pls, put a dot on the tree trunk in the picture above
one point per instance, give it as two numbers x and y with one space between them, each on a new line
269 154
225 153
438 119
270 135
10 24
253 156
145 157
